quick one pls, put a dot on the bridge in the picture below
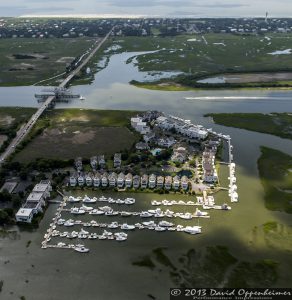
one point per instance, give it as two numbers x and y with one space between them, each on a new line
24 130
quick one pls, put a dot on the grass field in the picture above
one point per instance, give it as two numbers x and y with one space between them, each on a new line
45 58
275 170
279 124
74 132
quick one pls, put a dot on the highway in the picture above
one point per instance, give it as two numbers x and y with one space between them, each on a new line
24 130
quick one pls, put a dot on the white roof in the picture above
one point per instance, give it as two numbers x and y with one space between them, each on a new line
24 212
34 196
40 187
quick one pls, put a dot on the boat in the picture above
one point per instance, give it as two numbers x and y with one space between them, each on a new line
165 224
102 237
61 222
126 226
86 208
119 201
77 211
200 213
111 200
180 202
63 234
155 203
225 207
96 212
113 225
190 203
87 199
111 213
125 213
102 198
120 238
81 249
81 98
171 228
105 208
150 223
69 223
61 244
159 228
72 199
78 222
130 201
192 229
92 236
94 223
169 213
186 216
145 214
87 224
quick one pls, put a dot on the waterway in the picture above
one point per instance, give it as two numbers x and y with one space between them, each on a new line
107 271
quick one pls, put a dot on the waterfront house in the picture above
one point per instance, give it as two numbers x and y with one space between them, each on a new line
144 181
121 180
112 179
117 160
88 179
96 180
140 126
93 162
44 187
166 142
152 181
24 215
176 183
104 179
101 161
129 180
149 136
160 182
136 181
81 180
73 180
168 182
184 183
78 163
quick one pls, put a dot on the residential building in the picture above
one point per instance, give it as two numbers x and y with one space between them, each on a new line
149 136
104 179
160 182
96 180
166 142
81 180
24 215
129 180
43 187
152 181
73 180
117 160
101 161
142 146
168 182
121 180
184 183
93 162
144 181
78 164
112 179
89 179
136 181
176 183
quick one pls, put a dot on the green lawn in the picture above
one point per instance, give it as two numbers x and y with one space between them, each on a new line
279 124
276 176
66 134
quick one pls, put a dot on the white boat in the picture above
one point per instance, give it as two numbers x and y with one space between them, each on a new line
199 213
180 202
82 231
107 233
120 238
169 213
165 224
69 223
78 222
119 201
92 236
87 199
159 228
96 212
145 214
61 244
130 201
225 207
192 229
113 225
190 203
105 208
81 98
102 237
150 223
61 222
186 216
155 203
102 198
81 249
111 213
125 213
77 211
126 226
87 224
63 234
171 228
111 200
72 199
86 208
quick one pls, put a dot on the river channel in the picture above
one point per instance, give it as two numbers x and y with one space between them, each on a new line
107 272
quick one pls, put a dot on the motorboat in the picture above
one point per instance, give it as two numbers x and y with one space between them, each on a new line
169 213
86 208
225 207
150 223
119 201
120 238
107 233
200 213
192 229
82 231
111 200
190 203
102 237
111 213
82 236
181 202
125 213
171 228
77 211
113 225
96 212
61 222
155 203
102 198
92 236
87 224
159 228
72 199
130 201
126 226
61 244
174 202
78 222
165 224
105 208
81 249
69 223
63 234
186 216
87 199
145 214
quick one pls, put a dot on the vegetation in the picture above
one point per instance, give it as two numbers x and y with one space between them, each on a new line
278 124
145 262
276 176
66 134
26 61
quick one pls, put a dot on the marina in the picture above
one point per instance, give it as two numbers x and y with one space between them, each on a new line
60 222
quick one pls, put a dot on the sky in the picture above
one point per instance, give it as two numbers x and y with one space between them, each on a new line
164 8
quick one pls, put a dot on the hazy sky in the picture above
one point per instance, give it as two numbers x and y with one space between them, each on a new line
196 8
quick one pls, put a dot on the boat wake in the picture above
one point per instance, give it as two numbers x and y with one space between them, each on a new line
231 98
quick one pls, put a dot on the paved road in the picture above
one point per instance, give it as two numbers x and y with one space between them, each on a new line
23 132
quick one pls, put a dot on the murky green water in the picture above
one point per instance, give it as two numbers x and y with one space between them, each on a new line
107 271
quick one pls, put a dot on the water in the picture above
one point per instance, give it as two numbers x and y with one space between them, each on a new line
107 271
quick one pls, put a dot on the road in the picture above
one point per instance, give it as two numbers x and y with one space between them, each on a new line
24 130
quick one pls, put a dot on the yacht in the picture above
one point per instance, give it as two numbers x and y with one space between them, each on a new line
94 223
92 236
61 244
72 199
165 224
96 212
86 208
61 222
81 249
145 214
120 238
89 200
111 200
113 225
155 203
111 213
105 208
119 201
69 223
159 228
130 201
102 198
192 229
150 223
125 226
63 234
77 211
125 213
225 207
186 216
200 213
